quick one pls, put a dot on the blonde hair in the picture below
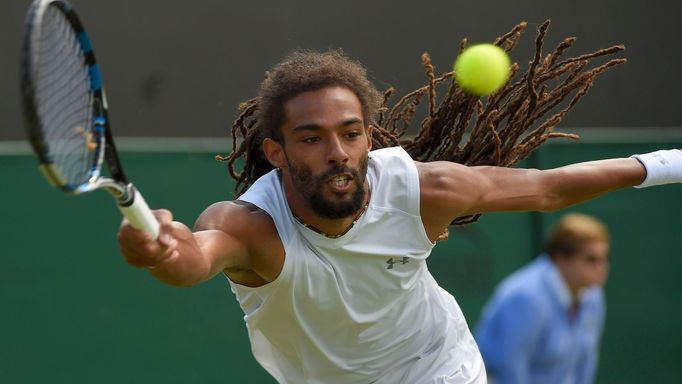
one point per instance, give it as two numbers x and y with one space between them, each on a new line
572 231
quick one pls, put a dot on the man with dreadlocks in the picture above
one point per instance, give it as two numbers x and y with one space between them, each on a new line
326 246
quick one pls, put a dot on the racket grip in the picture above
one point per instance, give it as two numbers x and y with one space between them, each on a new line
138 213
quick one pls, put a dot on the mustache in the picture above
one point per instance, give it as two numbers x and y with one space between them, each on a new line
336 169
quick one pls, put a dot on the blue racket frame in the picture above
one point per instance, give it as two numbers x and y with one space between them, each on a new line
102 137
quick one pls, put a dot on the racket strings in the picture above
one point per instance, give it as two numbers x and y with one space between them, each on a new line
65 97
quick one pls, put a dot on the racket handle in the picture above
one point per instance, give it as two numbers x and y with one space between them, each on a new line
138 213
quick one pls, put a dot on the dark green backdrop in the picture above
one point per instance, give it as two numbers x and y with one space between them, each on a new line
73 312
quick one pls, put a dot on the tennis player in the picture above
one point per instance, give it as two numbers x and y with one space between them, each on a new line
326 250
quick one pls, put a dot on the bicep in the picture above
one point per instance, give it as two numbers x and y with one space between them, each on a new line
219 235
221 250
449 190
456 190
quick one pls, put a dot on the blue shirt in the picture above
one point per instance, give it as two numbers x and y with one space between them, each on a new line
528 334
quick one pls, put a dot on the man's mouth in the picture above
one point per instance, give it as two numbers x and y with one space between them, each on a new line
340 182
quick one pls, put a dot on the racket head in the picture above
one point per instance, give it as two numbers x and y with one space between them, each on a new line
64 102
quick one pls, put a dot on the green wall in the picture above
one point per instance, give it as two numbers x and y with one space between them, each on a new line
73 311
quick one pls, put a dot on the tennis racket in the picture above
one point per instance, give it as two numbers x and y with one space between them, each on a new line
66 111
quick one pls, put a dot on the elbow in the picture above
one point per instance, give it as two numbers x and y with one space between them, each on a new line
180 279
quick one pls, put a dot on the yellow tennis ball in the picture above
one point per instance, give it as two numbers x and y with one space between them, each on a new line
482 69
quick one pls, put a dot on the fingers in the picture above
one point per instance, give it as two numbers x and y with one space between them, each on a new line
163 215
150 254
140 250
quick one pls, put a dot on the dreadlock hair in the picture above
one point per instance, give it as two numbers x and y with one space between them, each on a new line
501 129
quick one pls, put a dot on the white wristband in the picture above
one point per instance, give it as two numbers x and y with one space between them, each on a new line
662 167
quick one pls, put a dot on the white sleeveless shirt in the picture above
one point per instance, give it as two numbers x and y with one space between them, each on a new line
362 308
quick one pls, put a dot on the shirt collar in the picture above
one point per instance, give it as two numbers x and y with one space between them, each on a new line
557 284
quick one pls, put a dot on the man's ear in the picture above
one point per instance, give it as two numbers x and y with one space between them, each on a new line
274 152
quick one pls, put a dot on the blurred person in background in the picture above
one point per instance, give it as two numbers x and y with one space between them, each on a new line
544 322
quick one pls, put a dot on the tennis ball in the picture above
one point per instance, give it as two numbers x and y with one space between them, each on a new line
482 69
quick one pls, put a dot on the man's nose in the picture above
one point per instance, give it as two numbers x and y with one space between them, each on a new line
336 154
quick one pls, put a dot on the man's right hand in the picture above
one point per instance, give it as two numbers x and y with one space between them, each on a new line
140 250
182 257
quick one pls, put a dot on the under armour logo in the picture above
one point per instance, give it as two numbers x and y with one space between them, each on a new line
390 262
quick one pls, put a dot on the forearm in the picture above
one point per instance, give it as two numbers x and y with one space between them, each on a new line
505 189
180 256
577 183
187 264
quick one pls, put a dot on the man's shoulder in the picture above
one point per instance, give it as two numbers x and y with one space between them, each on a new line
527 276
390 154
525 285
264 184
525 290
520 303
394 180
228 215
594 295
390 151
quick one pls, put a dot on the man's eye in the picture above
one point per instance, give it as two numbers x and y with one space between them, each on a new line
352 134
311 139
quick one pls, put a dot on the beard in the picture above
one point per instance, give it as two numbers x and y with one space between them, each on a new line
312 187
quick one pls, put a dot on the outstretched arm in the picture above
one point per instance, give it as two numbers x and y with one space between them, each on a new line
181 257
450 190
